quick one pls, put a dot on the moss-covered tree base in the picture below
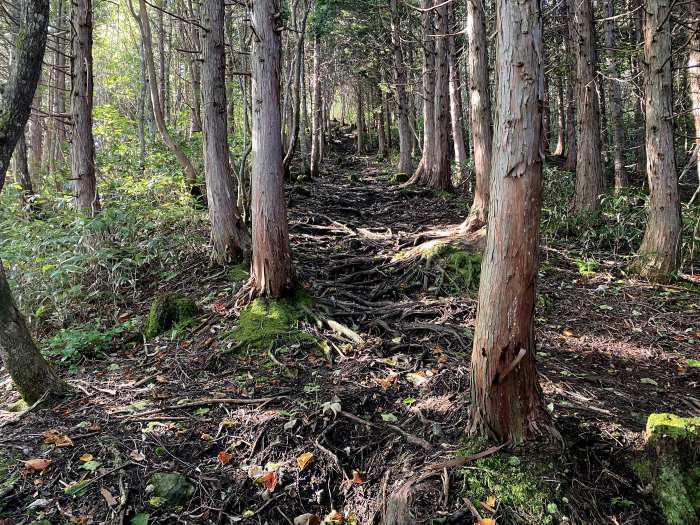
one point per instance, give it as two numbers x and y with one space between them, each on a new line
671 466
266 323
168 311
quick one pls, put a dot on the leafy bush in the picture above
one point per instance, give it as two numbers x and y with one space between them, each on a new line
88 339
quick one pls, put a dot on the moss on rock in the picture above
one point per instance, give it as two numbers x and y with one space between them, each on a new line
265 323
671 466
167 311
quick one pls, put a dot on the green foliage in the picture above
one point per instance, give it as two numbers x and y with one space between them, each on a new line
171 488
88 339
587 267
266 323
239 273
460 270
168 311
519 487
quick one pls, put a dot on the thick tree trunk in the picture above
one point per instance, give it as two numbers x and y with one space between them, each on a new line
480 114
589 169
271 270
694 78
230 240
405 165
615 94
316 111
438 174
31 374
83 177
456 114
157 104
506 399
572 152
428 95
658 257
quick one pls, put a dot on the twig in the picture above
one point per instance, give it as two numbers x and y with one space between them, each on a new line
414 440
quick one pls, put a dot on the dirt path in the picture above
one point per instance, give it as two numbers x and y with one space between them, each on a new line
611 351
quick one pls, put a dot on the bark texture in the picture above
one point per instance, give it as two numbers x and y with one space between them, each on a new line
589 169
505 392
83 176
659 255
230 240
694 78
480 114
271 270
316 111
32 375
405 134
460 149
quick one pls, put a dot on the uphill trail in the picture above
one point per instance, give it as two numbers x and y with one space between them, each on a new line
341 420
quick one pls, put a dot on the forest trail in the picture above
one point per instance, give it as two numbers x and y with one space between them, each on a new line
382 409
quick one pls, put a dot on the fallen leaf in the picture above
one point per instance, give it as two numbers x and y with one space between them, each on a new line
304 459
486 521
357 477
85 458
387 381
443 359
648 381
107 495
568 333
269 481
335 517
219 308
389 417
418 378
53 437
490 502
225 457
137 455
38 464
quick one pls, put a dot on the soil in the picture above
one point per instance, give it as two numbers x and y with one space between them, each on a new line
373 414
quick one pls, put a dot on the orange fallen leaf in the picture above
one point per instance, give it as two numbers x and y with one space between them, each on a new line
568 333
225 457
490 502
357 477
85 458
387 381
219 308
443 359
109 499
304 459
38 464
486 521
269 481
53 437
335 517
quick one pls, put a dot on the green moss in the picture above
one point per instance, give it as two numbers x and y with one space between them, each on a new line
265 323
168 311
671 467
518 484
170 488
462 269
664 425
239 273
399 178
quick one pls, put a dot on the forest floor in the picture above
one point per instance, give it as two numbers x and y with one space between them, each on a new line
335 424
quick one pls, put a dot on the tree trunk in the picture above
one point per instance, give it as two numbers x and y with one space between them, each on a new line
405 165
572 153
561 119
456 115
157 104
271 270
36 138
360 120
230 241
428 74
589 170
506 399
22 170
378 113
316 111
58 134
615 93
85 194
29 371
438 172
196 73
658 257
480 101
694 78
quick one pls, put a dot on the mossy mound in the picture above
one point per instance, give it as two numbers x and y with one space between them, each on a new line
238 273
518 484
266 323
170 488
399 178
169 311
461 269
671 466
